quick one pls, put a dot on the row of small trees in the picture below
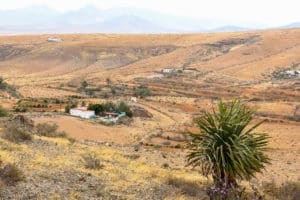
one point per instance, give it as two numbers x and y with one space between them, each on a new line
140 91
109 106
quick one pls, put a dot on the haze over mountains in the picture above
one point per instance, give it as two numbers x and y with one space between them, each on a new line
89 19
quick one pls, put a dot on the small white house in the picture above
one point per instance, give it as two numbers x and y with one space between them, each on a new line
54 39
167 70
82 112
133 99
293 72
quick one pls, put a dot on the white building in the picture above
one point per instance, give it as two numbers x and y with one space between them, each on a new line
293 72
167 70
133 99
54 39
82 112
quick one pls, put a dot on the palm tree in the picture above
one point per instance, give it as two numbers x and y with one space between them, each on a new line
226 148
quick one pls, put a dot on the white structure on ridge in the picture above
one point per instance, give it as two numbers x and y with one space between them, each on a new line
54 39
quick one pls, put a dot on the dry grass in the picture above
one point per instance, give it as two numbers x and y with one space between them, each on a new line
49 130
188 187
92 162
43 92
285 191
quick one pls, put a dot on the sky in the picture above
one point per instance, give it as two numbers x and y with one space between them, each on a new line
267 12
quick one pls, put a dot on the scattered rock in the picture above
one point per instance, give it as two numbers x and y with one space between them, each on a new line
137 148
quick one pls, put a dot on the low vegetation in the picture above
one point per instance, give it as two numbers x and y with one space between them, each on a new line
71 105
101 109
4 112
142 91
8 88
92 162
14 133
285 191
191 188
49 130
11 174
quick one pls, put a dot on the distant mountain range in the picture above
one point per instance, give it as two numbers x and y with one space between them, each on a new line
89 19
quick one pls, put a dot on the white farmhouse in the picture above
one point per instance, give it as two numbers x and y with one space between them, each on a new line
167 70
54 39
293 72
133 99
82 112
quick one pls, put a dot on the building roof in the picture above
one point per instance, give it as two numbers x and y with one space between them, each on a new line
82 109
111 113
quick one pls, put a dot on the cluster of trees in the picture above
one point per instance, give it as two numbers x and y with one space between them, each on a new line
109 106
142 91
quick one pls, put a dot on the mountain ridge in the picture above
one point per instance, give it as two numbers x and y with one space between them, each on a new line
89 19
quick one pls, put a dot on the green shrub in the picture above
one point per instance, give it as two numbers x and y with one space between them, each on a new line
21 109
84 84
67 109
109 106
105 96
123 107
143 91
4 112
98 108
228 148
69 106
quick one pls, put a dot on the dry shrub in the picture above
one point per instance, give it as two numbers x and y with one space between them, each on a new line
22 122
191 188
71 140
92 162
15 133
4 112
11 174
132 156
49 130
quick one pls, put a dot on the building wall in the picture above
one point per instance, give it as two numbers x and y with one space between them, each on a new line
82 114
167 70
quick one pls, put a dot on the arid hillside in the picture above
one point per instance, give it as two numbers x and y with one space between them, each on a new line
235 57
174 79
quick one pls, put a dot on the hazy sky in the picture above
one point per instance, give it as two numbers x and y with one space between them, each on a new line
268 12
